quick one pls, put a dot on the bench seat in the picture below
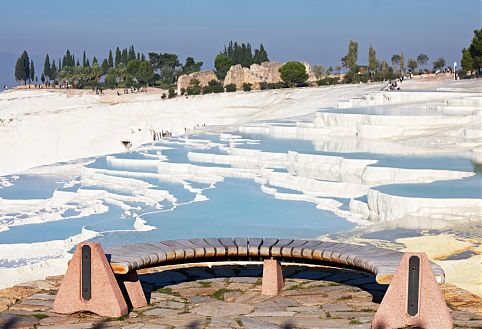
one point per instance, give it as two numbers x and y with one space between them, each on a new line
378 261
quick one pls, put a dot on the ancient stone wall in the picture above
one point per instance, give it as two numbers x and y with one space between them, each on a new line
255 74
203 76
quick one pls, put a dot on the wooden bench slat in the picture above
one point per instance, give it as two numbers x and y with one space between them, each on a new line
276 249
231 247
288 250
209 251
218 246
253 246
265 248
242 244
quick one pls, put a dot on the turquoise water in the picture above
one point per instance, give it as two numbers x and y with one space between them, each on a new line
31 187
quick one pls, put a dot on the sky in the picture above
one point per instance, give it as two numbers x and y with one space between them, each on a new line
316 31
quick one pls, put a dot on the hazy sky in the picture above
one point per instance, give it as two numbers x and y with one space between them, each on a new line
315 31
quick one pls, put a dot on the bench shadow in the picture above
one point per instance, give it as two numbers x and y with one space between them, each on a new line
365 281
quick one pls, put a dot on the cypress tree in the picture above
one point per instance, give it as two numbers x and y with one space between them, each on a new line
111 60
372 60
260 55
124 57
78 63
47 66
84 60
143 58
138 56
88 63
22 68
94 61
53 70
60 67
118 56
42 78
32 71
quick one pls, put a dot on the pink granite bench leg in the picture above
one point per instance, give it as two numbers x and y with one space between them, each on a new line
132 286
273 281
106 296
432 310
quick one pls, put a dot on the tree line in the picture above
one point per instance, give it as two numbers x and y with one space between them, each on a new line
127 67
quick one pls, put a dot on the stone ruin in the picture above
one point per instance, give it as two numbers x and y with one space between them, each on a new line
203 76
265 72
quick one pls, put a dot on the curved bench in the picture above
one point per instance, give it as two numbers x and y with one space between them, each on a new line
378 261
106 282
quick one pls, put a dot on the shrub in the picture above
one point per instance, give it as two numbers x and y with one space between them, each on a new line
213 87
194 87
163 96
328 81
172 93
183 91
231 88
263 85
247 86
293 73
275 85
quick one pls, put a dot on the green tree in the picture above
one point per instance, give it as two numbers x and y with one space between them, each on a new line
191 66
372 60
104 66
396 61
293 73
222 64
467 62
124 56
412 64
42 78
260 55
22 68
131 54
110 80
145 73
118 57
110 61
247 87
84 59
53 71
32 71
349 61
47 66
475 50
422 60
439 64
402 63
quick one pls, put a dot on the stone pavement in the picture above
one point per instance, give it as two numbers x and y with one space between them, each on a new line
230 297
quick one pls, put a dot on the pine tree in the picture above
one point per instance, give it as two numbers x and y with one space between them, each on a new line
88 63
105 65
372 60
47 66
117 56
349 61
32 71
111 60
94 61
138 56
143 58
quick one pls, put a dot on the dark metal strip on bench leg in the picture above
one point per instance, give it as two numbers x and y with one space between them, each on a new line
86 290
413 285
